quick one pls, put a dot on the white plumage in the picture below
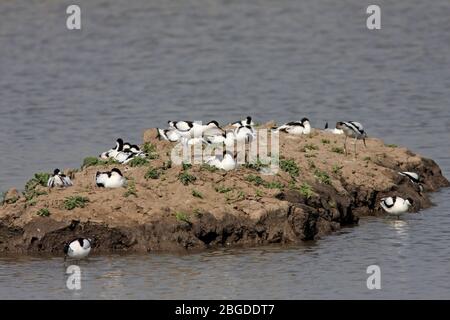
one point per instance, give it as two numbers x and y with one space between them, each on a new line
110 179
296 127
225 162
59 180
354 130
244 134
78 248
396 205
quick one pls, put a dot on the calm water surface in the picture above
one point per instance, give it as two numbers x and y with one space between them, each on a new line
136 64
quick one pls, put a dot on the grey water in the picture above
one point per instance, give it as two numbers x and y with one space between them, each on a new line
65 95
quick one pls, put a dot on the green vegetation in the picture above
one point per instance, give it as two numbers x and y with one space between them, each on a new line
186 178
186 166
259 193
322 176
152 173
182 217
391 146
290 167
167 165
44 212
39 179
131 190
366 159
325 141
75 202
337 150
337 169
309 146
94 161
150 150
222 189
197 194
258 181
255 165
209 168
306 190
138 162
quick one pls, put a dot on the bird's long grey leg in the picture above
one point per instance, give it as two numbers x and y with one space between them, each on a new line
345 145
354 142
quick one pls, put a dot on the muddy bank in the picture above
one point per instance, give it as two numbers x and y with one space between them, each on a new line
170 208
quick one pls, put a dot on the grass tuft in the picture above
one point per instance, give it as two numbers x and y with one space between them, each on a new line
152 173
322 176
44 212
290 167
75 202
197 194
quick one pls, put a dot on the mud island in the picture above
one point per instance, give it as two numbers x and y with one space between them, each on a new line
166 207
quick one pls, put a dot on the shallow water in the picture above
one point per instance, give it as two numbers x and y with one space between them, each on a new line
136 64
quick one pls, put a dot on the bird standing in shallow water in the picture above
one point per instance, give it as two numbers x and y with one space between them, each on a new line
77 249
396 205
59 180
352 129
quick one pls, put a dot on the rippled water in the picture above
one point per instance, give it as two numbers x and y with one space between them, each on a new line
65 95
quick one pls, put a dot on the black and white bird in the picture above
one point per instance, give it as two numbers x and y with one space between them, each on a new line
244 134
226 138
110 179
58 179
396 205
193 129
414 178
171 135
354 130
333 131
225 162
78 248
296 127
118 153
244 122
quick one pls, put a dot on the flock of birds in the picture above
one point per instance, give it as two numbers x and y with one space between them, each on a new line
190 133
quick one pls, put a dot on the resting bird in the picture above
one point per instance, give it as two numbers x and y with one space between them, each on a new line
296 127
110 179
352 129
59 180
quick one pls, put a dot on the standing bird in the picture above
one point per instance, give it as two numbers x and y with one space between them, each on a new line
244 134
396 205
59 180
244 122
296 127
110 179
77 249
415 180
352 129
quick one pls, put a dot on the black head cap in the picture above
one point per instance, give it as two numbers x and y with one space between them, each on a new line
215 122
305 119
117 171
410 200
56 172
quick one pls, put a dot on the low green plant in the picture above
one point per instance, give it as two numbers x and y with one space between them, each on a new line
166 165
259 193
152 173
366 159
274 185
209 168
290 167
150 150
337 150
322 176
186 166
197 194
44 212
131 190
306 190
186 178
391 146
183 217
257 165
325 141
310 146
256 180
73 202
94 161
222 189
138 162
337 169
